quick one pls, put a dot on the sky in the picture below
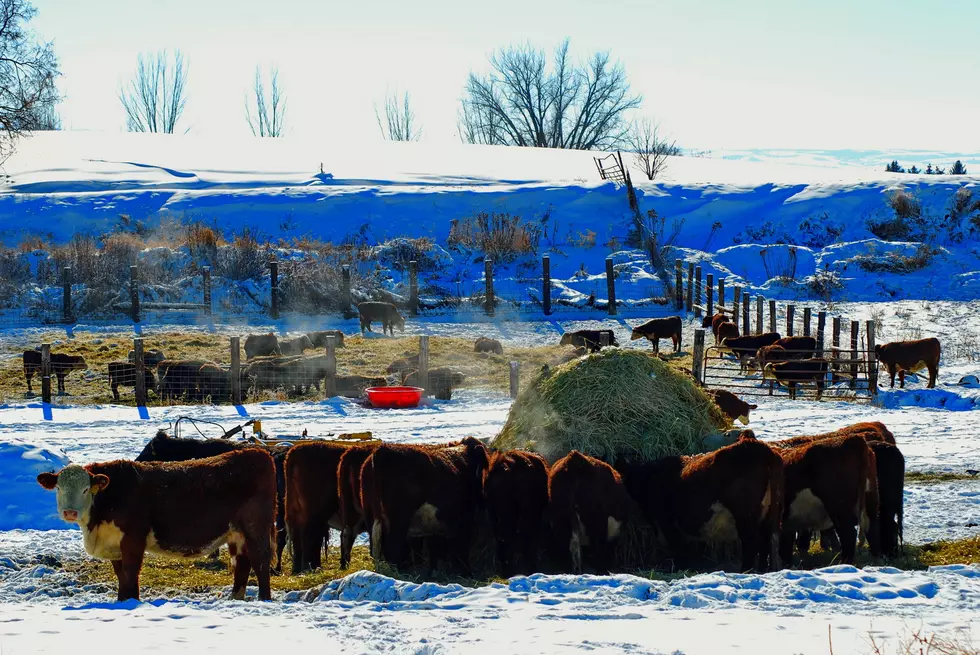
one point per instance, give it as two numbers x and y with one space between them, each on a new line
716 74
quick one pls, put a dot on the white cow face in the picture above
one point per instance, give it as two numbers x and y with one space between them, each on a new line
75 488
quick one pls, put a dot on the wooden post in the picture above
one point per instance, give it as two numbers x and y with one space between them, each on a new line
424 363
134 293
697 292
679 284
790 318
488 281
546 284
611 286
274 289
206 284
690 287
46 372
821 328
806 321
855 328
836 333
758 314
330 382
746 316
236 371
515 380
736 302
835 348
709 286
413 288
772 315
872 359
66 311
697 365
139 387
721 292
345 295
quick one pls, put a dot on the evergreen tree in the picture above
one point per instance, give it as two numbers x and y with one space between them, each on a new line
929 170
914 170
894 167
958 168
940 171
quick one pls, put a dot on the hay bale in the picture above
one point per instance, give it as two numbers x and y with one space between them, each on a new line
611 403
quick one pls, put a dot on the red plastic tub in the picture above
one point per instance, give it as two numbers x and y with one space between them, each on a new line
394 397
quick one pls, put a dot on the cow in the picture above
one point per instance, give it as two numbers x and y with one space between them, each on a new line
319 339
726 330
261 345
164 448
418 491
214 383
797 371
901 356
515 488
351 511
385 312
179 377
61 366
708 320
353 386
890 467
798 347
488 345
745 348
830 483
151 358
312 502
770 355
296 374
731 405
591 339
588 505
870 430
295 346
181 509
715 322
732 494
660 328
442 381
409 363
124 374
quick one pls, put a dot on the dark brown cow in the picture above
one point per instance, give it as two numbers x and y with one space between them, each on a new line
349 494
409 363
312 501
384 312
830 483
488 345
770 355
732 494
353 386
295 374
417 491
151 358
179 377
890 466
745 348
588 505
182 509
319 339
123 374
798 347
213 383
295 346
726 330
716 322
731 405
660 328
869 430
442 381
799 371
707 321
61 366
515 487
261 345
901 356
591 339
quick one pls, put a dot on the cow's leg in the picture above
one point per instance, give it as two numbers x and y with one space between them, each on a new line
280 544
901 378
313 534
505 557
748 538
132 561
114 383
394 544
933 374
656 344
677 343
786 542
347 536
297 541
259 550
847 533
241 567
829 540
891 375
803 540
819 388
61 383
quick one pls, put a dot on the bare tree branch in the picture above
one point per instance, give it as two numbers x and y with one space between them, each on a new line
399 119
270 115
155 97
649 150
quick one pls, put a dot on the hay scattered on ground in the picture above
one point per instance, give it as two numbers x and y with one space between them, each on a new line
612 403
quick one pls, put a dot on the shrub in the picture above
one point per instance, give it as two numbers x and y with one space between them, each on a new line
397 253
895 262
501 237
824 284
819 231
202 243
311 287
779 263
243 259
119 251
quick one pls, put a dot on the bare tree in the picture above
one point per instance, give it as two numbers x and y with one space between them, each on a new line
649 150
28 69
154 99
523 102
270 113
399 119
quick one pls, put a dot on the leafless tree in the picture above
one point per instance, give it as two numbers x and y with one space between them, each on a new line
649 149
28 68
398 123
524 102
154 99
269 113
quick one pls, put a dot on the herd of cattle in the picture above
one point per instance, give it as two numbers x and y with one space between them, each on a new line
769 497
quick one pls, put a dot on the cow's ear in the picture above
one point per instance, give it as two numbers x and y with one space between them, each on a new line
99 482
47 480
753 407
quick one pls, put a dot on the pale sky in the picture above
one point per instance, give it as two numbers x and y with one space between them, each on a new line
716 74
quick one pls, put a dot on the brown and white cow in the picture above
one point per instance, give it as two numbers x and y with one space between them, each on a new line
352 521
312 501
726 330
731 405
799 371
901 356
745 348
179 509
515 487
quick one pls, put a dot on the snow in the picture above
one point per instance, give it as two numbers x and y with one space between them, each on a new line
25 504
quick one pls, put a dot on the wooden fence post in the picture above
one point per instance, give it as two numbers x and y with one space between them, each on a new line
206 284
835 348
709 287
736 306
488 281
806 321
697 292
821 328
872 359
855 328
697 365
515 380
721 293
772 315
546 284
611 286
134 293
66 311
236 371
679 284
274 289
46 372
424 363
759 301
139 386
746 315
330 382
413 288
790 319
690 287
345 295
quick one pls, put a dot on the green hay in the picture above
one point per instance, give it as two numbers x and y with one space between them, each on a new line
615 402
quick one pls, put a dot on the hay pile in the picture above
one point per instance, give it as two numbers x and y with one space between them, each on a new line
615 402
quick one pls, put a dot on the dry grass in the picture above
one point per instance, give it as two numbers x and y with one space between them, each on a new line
929 477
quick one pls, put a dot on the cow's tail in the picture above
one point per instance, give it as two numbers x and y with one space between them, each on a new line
868 502
776 493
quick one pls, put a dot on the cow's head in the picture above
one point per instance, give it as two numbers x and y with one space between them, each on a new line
78 363
566 339
399 321
744 418
878 348
636 334
75 488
